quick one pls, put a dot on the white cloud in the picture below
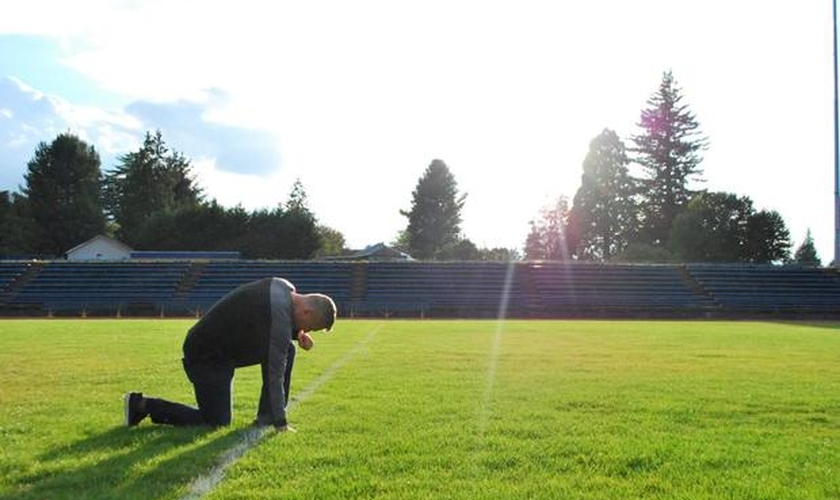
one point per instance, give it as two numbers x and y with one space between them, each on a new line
226 187
38 117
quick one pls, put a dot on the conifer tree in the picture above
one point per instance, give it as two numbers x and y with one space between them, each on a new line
435 215
147 182
63 188
806 254
669 152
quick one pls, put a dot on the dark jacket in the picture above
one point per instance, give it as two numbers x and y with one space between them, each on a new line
250 325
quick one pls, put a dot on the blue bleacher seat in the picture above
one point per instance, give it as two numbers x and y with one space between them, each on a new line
101 286
432 289
770 289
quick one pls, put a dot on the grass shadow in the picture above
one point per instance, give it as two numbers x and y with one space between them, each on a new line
146 462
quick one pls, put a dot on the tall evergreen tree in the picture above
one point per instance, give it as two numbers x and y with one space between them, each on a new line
146 182
63 188
604 209
298 200
669 151
300 237
806 254
435 215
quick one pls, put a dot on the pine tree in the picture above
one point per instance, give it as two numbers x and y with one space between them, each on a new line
298 199
146 182
299 237
669 151
63 187
806 254
435 215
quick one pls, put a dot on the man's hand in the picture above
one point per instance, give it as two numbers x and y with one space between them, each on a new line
264 421
305 341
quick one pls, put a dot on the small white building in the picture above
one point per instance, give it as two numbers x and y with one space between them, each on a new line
100 248
379 251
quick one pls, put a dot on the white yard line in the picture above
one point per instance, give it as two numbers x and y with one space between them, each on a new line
207 482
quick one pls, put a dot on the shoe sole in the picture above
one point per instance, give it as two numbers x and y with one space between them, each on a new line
126 409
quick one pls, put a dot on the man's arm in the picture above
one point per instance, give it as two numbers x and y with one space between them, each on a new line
272 410
273 396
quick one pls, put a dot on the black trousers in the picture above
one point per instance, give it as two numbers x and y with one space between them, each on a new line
212 384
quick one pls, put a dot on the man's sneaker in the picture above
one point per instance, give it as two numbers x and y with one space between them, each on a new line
134 407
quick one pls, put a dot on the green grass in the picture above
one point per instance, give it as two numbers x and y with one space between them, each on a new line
440 409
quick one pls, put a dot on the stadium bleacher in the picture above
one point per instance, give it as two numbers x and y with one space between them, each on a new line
9 272
459 289
577 288
427 289
220 277
770 289
100 287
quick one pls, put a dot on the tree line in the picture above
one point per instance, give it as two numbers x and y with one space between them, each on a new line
634 204
150 200
655 216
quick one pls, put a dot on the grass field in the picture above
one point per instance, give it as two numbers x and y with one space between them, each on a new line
439 409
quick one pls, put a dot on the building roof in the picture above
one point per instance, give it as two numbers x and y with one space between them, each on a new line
378 251
105 239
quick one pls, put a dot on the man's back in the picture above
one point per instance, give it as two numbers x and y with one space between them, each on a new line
235 331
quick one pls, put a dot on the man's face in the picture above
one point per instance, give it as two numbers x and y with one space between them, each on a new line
305 319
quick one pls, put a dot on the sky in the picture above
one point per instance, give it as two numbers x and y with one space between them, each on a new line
355 99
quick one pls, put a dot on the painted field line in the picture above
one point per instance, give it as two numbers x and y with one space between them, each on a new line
205 483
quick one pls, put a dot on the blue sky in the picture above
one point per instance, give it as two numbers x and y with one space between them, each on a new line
355 99
35 58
